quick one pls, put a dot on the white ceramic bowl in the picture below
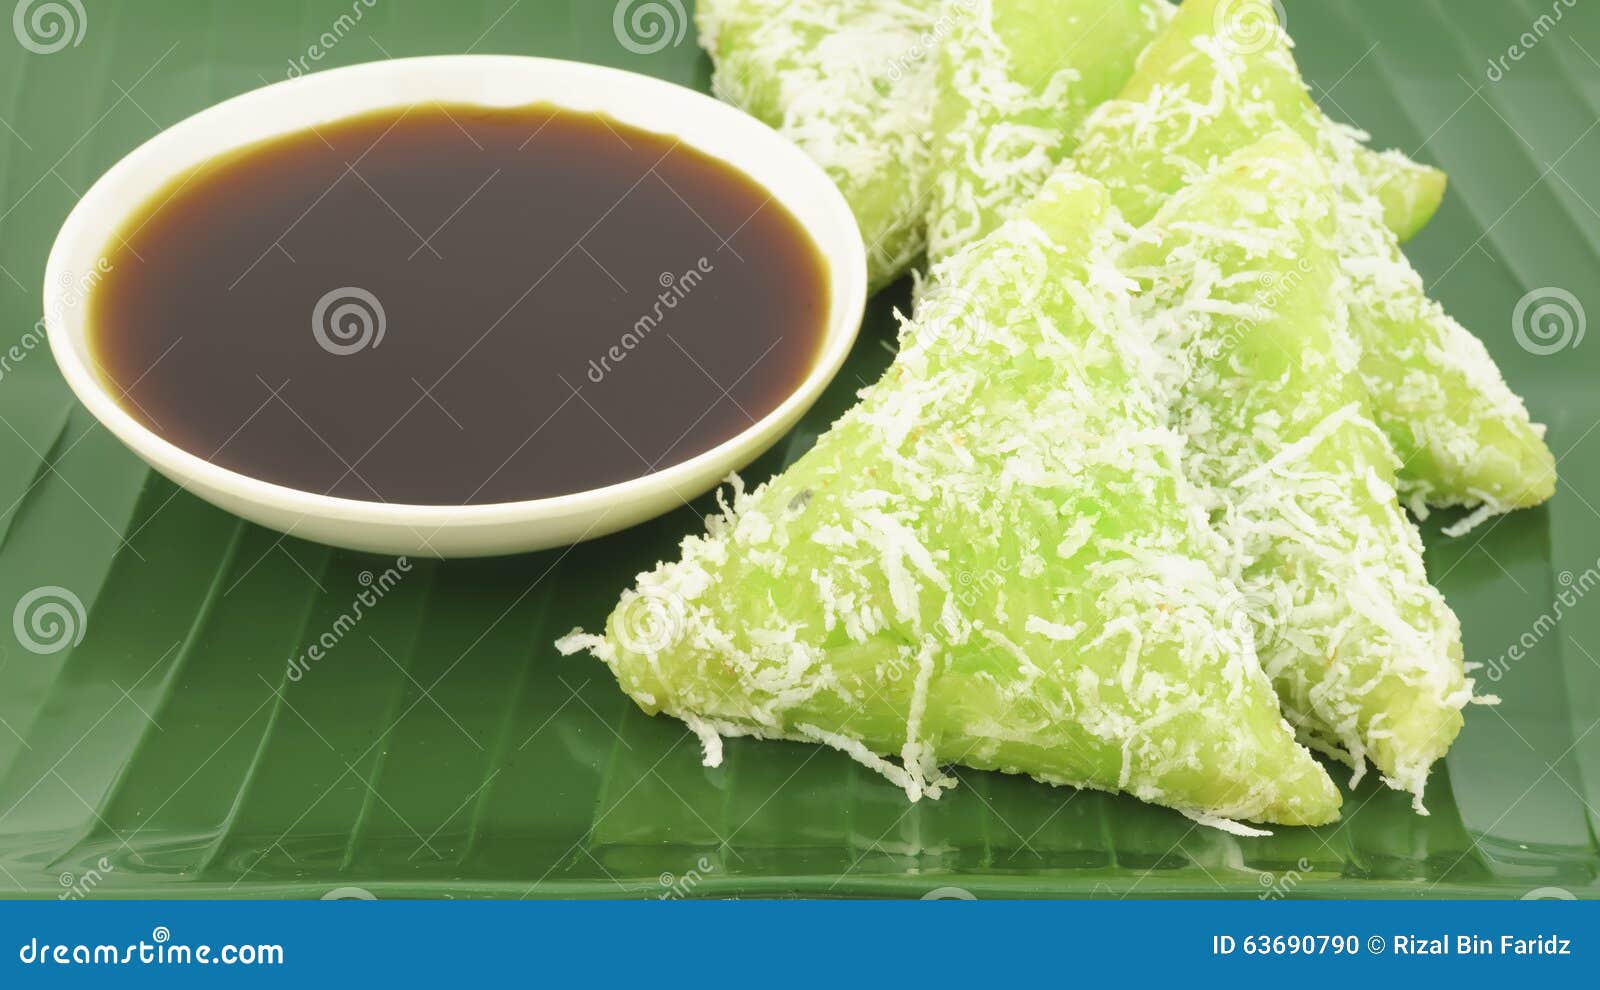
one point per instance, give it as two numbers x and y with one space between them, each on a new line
491 80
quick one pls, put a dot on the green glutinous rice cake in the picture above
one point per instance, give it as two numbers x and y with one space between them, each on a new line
851 83
950 112
1015 80
1242 290
1219 77
994 561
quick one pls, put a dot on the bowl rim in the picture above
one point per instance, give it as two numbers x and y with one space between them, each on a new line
66 324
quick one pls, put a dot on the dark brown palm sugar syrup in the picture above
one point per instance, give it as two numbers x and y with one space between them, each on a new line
453 305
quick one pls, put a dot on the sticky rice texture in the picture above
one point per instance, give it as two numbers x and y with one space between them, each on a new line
1242 287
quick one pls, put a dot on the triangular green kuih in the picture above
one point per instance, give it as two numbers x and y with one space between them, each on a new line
1221 76
851 83
1015 80
993 561
1244 297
